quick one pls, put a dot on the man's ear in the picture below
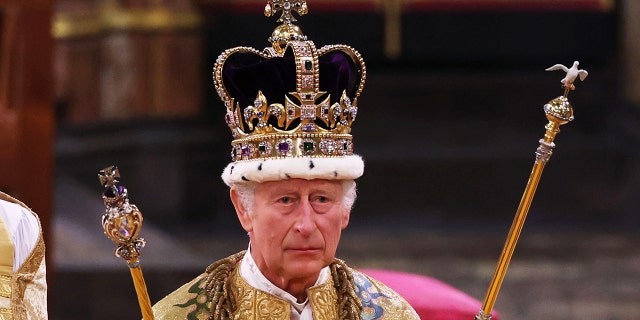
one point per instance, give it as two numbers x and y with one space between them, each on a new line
345 218
243 214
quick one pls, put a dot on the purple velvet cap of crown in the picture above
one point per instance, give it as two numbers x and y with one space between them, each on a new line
245 73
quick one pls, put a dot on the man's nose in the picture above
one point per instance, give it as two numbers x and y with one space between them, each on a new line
306 223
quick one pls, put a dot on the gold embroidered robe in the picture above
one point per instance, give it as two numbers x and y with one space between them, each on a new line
193 301
26 289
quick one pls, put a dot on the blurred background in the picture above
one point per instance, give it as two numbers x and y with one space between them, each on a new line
449 121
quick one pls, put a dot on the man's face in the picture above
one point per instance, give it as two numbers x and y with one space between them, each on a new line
295 227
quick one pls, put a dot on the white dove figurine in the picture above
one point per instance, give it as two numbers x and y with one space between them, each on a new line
572 74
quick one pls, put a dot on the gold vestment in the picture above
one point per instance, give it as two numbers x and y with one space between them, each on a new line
198 299
25 289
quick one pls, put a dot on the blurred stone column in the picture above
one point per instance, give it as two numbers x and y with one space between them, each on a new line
629 203
631 51
122 60
130 79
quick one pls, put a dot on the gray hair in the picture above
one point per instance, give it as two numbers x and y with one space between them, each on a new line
246 193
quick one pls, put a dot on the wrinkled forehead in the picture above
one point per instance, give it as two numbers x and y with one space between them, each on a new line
293 185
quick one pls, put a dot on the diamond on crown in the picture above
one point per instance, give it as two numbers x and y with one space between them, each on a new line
308 112
328 146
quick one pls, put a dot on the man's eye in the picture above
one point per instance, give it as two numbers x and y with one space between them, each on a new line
323 199
285 200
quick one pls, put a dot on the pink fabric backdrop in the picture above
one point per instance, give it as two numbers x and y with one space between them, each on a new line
432 299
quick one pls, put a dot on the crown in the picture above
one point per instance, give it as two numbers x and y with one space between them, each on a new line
290 101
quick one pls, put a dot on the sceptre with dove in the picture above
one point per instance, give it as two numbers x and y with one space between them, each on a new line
572 74
559 112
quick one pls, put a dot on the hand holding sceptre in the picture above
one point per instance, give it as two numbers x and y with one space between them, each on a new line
121 223
558 111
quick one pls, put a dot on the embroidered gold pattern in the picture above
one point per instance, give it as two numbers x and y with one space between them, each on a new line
5 314
25 278
256 304
231 297
5 286
29 287
324 301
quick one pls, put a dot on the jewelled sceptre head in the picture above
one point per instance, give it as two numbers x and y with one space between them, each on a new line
122 220
559 112
121 223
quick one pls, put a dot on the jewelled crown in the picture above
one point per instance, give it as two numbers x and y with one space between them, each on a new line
290 107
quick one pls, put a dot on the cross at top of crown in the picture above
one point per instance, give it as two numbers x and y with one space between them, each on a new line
286 6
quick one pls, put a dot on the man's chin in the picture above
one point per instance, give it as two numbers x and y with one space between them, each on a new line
305 269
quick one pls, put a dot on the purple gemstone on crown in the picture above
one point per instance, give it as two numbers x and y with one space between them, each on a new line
245 151
283 147
308 127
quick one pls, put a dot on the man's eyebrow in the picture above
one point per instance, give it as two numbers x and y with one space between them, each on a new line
281 190
325 190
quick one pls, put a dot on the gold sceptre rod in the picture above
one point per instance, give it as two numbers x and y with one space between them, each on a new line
558 111
121 223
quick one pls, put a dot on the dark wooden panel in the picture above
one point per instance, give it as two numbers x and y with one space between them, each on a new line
26 110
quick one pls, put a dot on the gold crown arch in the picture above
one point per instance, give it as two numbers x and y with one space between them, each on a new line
306 124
